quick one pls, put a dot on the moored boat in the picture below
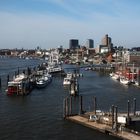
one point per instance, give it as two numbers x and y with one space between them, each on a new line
125 81
43 81
20 85
67 80
115 75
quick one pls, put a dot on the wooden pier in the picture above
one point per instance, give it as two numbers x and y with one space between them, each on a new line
103 128
112 123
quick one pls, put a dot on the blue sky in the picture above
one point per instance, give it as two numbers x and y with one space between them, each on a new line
50 23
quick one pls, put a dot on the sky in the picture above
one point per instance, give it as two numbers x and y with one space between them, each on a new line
51 23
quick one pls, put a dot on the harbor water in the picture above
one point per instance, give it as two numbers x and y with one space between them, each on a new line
39 115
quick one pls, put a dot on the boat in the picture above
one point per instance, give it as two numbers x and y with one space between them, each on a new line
20 85
125 81
67 80
74 87
54 68
43 80
137 83
115 76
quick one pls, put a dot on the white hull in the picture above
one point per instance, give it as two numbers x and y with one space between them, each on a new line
125 81
43 81
114 76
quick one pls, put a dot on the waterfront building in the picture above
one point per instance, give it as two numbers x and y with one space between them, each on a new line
132 57
90 43
73 44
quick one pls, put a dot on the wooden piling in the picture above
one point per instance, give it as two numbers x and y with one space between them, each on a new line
134 106
15 73
128 109
18 70
128 112
95 105
64 108
7 79
67 108
112 116
116 116
70 103
80 104
0 82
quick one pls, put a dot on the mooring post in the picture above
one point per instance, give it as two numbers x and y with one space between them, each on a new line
128 112
116 116
128 109
95 105
7 79
67 111
18 70
23 71
64 108
80 104
112 116
15 73
70 105
134 104
0 82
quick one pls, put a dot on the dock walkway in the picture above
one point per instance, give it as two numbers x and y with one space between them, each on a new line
103 128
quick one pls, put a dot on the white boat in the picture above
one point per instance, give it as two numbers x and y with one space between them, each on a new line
43 81
54 68
54 64
67 80
115 76
137 83
111 74
124 81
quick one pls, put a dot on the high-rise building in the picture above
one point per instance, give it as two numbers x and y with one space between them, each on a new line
90 43
73 44
107 42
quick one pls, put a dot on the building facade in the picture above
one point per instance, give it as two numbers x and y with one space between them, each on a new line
73 44
106 44
132 57
90 43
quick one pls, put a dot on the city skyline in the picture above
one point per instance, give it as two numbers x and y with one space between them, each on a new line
50 23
